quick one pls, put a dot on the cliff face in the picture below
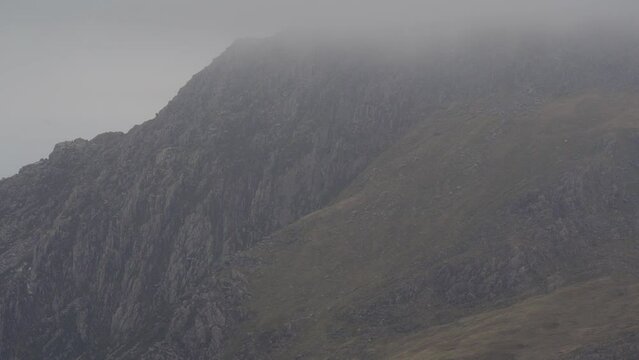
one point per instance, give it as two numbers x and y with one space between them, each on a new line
108 241
125 246
107 238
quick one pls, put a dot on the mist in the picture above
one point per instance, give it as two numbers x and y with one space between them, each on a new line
75 68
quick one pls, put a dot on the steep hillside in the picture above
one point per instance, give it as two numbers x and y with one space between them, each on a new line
326 198
468 212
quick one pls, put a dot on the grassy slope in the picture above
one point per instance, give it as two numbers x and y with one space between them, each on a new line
541 327
362 277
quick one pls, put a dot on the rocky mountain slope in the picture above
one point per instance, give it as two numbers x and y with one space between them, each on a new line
308 197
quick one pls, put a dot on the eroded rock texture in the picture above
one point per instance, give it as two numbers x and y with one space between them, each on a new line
109 247
114 248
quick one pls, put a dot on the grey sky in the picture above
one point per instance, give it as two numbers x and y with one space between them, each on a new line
75 68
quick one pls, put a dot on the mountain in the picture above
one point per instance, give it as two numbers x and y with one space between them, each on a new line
341 198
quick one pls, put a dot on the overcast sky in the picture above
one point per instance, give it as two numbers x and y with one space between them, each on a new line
75 68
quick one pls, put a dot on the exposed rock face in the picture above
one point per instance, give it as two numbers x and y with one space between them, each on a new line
115 240
115 247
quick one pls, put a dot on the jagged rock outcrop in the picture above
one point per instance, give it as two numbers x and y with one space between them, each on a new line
111 237
115 248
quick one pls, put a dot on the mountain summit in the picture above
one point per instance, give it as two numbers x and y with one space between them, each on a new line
326 198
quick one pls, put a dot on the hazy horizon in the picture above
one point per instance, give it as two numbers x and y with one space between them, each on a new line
75 69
